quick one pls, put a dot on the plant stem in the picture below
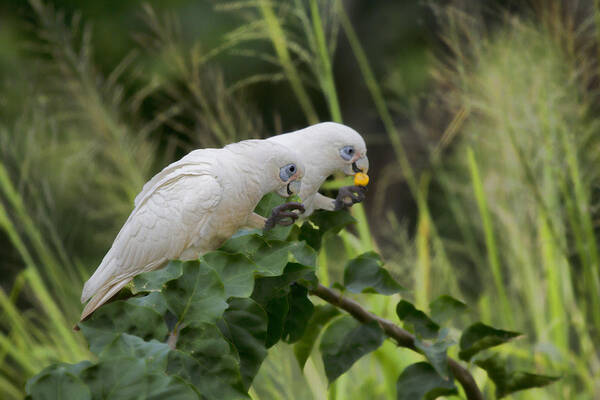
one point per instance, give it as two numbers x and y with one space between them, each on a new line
403 338
279 43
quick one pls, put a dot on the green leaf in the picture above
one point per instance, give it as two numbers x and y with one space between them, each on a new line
244 324
277 310
236 271
310 234
331 221
127 378
345 341
272 257
445 308
117 317
479 337
59 381
303 254
215 368
198 296
508 382
420 381
132 346
153 300
366 274
245 242
154 281
423 325
300 311
272 287
321 316
436 352
267 203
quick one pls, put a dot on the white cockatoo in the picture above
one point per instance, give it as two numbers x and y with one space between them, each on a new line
327 148
193 206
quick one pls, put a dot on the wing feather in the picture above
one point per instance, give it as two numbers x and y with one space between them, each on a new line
165 221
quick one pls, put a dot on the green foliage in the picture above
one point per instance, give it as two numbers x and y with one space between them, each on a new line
365 274
422 325
478 337
507 381
345 341
421 381
201 329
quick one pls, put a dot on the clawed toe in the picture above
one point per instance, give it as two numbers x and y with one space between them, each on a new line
349 195
284 215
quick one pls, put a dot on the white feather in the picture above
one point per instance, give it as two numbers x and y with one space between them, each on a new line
319 146
192 206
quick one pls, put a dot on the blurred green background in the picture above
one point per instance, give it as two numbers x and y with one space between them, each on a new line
481 119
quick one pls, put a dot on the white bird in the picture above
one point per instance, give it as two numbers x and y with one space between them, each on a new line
193 206
327 148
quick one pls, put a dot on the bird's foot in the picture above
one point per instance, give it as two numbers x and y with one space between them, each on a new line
283 215
348 196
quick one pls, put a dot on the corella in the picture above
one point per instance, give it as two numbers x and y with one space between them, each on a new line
327 148
194 205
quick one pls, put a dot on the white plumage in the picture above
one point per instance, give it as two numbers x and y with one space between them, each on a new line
321 147
191 207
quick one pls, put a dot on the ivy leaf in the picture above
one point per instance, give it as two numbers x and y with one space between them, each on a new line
320 317
331 221
423 325
59 381
153 300
127 378
420 381
117 317
303 254
268 288
436 353
345 341
244 324
267 203
245 242
479 337
366 274
125 345
198 296
310 234
445 308
272 257
235 270
277 310
154 281
215 368
508 382
300 311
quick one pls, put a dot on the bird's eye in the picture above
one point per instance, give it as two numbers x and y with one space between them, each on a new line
347 152
285 173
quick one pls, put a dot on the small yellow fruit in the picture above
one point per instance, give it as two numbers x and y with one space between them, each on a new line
361 179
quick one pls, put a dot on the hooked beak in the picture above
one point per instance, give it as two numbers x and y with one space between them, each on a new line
361 165
293 187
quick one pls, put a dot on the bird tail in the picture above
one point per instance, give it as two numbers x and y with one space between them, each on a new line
102 296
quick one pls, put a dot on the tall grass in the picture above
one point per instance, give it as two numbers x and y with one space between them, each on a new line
526 159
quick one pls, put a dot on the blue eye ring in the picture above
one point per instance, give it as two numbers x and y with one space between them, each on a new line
286 172
347 152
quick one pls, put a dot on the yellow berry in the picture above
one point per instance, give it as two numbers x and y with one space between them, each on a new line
361 179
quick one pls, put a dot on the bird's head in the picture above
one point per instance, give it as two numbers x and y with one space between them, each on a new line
272 166
344 148
288 171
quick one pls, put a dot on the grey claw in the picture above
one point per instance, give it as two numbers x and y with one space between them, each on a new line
348 196
283 215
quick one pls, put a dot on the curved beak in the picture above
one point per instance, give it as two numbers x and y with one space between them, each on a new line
361 165
293 187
